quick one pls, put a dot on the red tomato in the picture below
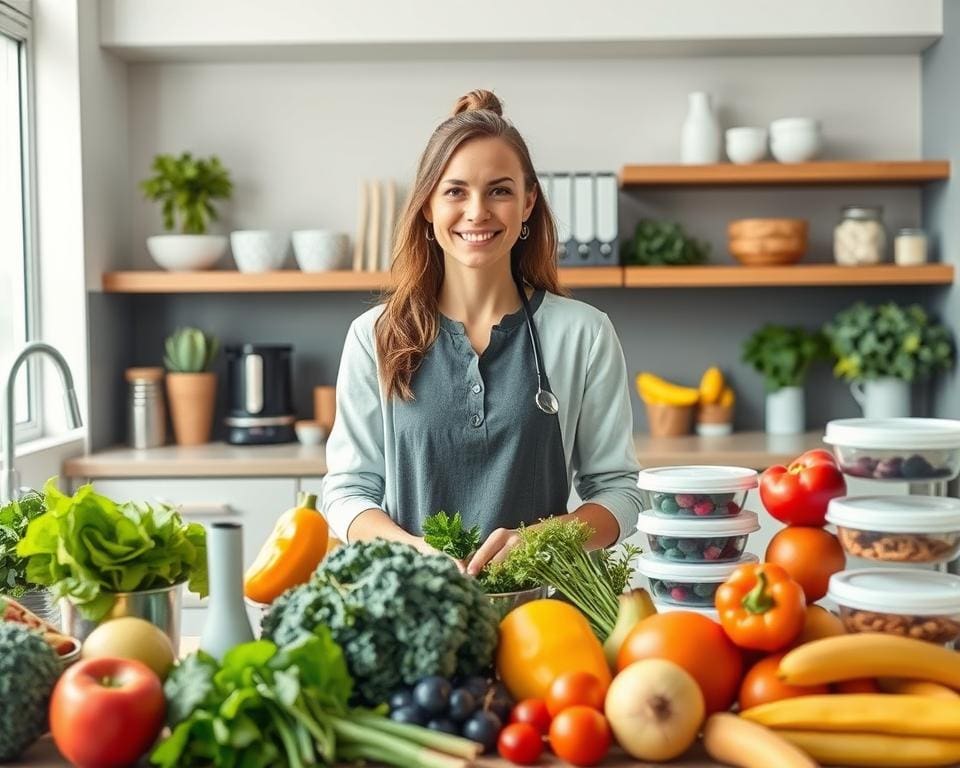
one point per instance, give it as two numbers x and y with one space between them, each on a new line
799 494
105 713
534 712
520 743
575 688
580 735
762 684
810 555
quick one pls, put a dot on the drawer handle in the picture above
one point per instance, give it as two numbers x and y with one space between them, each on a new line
201 509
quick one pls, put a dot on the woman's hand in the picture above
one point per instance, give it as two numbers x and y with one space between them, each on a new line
420 544
493 550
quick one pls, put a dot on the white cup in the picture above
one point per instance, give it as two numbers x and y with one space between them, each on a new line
259 250
319 250
746 145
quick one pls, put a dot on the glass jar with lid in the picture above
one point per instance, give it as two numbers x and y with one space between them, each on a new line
860 237
910 246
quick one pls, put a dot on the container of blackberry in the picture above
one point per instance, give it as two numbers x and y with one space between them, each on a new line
696 491
698 539
687 585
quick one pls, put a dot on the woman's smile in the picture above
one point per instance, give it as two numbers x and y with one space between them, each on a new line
479 238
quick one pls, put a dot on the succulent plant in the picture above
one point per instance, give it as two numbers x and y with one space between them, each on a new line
189 350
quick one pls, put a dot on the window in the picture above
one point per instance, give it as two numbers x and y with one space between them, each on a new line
18 300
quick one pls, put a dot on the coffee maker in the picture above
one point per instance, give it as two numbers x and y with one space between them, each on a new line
260 400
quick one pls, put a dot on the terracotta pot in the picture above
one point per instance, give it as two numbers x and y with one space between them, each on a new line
191 397
669 420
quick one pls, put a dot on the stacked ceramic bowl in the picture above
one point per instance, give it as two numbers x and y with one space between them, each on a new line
696 532
901 534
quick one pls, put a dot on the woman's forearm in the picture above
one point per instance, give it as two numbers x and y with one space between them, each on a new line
606 529
376 524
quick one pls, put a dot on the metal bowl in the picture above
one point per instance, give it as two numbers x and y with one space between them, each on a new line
504 602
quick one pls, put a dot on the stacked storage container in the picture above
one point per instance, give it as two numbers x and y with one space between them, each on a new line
696 532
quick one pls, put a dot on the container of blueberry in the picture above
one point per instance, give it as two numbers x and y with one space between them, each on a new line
699 539
689 585
696 491
900 450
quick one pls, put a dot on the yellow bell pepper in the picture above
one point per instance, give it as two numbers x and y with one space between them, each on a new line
541 640
291 553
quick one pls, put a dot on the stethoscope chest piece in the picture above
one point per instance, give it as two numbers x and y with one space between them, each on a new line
547 402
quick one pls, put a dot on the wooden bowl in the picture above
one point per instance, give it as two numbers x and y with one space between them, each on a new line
767 242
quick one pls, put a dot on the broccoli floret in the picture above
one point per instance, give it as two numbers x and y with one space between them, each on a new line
398 615
28 671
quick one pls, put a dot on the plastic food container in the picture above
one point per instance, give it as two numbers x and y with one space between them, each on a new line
711 613
914 450
901 529
689 585
899 601
697 540
696 491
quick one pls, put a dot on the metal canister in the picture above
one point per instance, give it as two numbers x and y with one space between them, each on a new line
147 414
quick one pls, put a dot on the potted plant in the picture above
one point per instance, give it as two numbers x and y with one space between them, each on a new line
783 355
662 244
186 186
15 516
881 350
191 385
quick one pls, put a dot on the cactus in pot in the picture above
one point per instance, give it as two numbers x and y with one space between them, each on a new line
191 386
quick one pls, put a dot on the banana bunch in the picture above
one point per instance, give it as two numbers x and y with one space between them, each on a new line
713 390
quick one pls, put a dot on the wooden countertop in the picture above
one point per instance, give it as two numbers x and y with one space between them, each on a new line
748 449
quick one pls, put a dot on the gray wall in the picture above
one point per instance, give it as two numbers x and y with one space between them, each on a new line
941 139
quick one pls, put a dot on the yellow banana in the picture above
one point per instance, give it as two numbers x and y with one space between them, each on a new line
727 398
711 385
916 687
869 654
871 749
893 713
732 740
654 389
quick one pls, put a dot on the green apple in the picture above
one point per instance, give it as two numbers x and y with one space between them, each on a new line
131 638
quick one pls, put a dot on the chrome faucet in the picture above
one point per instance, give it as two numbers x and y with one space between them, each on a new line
10 479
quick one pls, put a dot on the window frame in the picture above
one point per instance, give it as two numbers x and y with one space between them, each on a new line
16 23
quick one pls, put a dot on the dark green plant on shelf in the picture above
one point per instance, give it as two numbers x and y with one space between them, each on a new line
662 244
783 355
871 342
185 186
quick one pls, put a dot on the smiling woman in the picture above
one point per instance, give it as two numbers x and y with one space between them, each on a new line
443 397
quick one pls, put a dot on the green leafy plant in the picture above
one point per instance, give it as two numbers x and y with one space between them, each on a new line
190 350
870 342
14 519
446 534
662 243
86 547
185 186
783 355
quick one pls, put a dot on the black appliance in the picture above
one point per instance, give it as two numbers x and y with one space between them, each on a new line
260 400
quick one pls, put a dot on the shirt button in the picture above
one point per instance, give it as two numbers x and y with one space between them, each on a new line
477 420
476 389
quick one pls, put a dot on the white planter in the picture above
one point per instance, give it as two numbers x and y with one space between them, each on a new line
884 398
186 253
785 412
700 136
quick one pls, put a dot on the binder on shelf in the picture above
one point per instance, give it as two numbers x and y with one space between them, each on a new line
585 207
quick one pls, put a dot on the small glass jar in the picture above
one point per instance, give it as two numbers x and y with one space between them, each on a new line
910 246
860 237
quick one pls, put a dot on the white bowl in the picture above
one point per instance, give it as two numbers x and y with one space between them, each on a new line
746 145
310 432
319 250
184 253
795 145
794 124
259 250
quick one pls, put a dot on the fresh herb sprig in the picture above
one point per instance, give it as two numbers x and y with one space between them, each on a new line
14 519
446 534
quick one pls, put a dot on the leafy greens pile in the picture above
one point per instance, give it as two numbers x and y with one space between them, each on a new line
14 519
446 534
86 547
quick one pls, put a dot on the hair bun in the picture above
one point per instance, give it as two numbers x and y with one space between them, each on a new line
478 99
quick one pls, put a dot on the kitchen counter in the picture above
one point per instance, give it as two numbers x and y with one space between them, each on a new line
749 449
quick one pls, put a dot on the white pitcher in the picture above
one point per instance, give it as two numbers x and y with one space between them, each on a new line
883 398
784 412
700 137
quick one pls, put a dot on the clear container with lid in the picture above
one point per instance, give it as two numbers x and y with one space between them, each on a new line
687 584
860 237
699 540
910 246
903 450
899 601
900 529
696 491
663 607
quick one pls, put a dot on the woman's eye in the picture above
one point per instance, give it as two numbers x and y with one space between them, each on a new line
452 192
500 191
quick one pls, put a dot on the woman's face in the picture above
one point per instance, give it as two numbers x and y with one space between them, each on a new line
480 204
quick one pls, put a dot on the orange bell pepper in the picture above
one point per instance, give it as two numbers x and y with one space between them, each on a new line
291 553
761 607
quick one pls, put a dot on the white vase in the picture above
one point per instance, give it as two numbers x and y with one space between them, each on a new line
883 398
700 136
227 623
785 412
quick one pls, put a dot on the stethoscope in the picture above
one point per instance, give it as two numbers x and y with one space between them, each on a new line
545 399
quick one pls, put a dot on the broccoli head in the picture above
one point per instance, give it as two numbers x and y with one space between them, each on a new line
29 668
398 615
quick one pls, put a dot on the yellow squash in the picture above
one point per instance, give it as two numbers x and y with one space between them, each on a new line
541 640
872 749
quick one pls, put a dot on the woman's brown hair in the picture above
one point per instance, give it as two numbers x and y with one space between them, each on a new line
409 323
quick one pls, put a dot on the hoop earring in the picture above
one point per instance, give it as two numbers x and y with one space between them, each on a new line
524 232
430 238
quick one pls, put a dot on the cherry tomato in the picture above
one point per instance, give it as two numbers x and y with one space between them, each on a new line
762 684
520 743
575 689
534 712
580 735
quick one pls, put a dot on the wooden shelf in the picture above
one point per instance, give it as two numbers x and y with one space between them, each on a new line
794 275
292 280
886 173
